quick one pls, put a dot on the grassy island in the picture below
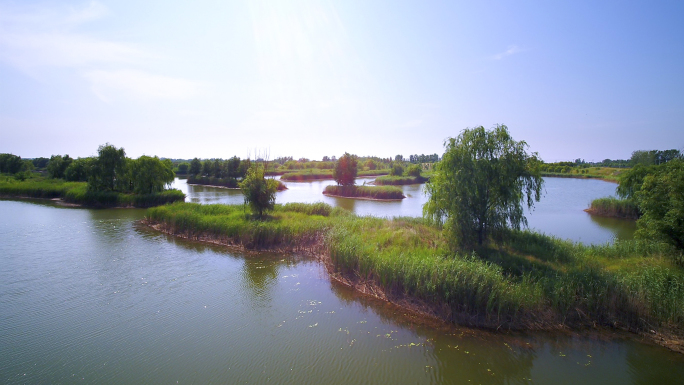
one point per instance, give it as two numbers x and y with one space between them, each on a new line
366 192
614 207
77 193
223 182
391 180
525 281
324 174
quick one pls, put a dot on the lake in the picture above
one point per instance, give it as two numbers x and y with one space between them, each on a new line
558 213
91 296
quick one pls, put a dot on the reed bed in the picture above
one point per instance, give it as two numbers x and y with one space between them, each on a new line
367 192
307 175
613 207
211 181
523 280
388 180
77 193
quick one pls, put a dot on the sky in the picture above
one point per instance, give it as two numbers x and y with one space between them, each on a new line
209 78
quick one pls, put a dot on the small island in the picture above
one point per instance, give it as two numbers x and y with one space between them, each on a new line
107 180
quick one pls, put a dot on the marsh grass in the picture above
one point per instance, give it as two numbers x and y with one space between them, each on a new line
77 193
391 180
368 192
613 207
524 280
308 174
324 174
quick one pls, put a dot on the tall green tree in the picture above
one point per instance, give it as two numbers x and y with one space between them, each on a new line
661 201
480 185
195 167
259 192
79 170
10 163
150 174
108 171
345 170
57 165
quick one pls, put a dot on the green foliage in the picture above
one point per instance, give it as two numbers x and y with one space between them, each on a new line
78 193
630 181
40 162
479 185
79 170
108 171
661 199
221 182
398 180
528 279
150 174
413 170
369 192
183 168
57 166
396 169
195 167
613 207
345 170
10 164
310 174
258 191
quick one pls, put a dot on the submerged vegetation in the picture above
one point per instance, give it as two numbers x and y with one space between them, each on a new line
525 280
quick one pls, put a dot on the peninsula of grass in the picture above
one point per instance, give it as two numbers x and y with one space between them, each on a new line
524 281
609 174
223 182
365 192
77 193
391 180
615 208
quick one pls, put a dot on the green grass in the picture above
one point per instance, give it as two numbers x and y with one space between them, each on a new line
388 180
223 182
307 175
368 192
77 193
323 174
210 181
604 173
613 207
523 280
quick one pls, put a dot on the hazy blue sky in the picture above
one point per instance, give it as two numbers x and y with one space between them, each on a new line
590 79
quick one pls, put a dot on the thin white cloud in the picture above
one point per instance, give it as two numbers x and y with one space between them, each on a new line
29 51
33 39
107 85
512 50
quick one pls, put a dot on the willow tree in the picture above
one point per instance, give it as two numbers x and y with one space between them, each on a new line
259 192
480 185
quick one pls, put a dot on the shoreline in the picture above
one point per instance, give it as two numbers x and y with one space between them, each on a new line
364 198
577 176
434 313
598 213
62 203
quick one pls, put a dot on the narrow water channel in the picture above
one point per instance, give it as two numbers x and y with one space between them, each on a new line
89 296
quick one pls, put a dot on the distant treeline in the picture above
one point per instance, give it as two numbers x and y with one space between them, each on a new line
226 168
642 157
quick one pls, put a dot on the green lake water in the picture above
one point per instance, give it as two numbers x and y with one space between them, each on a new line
90 296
